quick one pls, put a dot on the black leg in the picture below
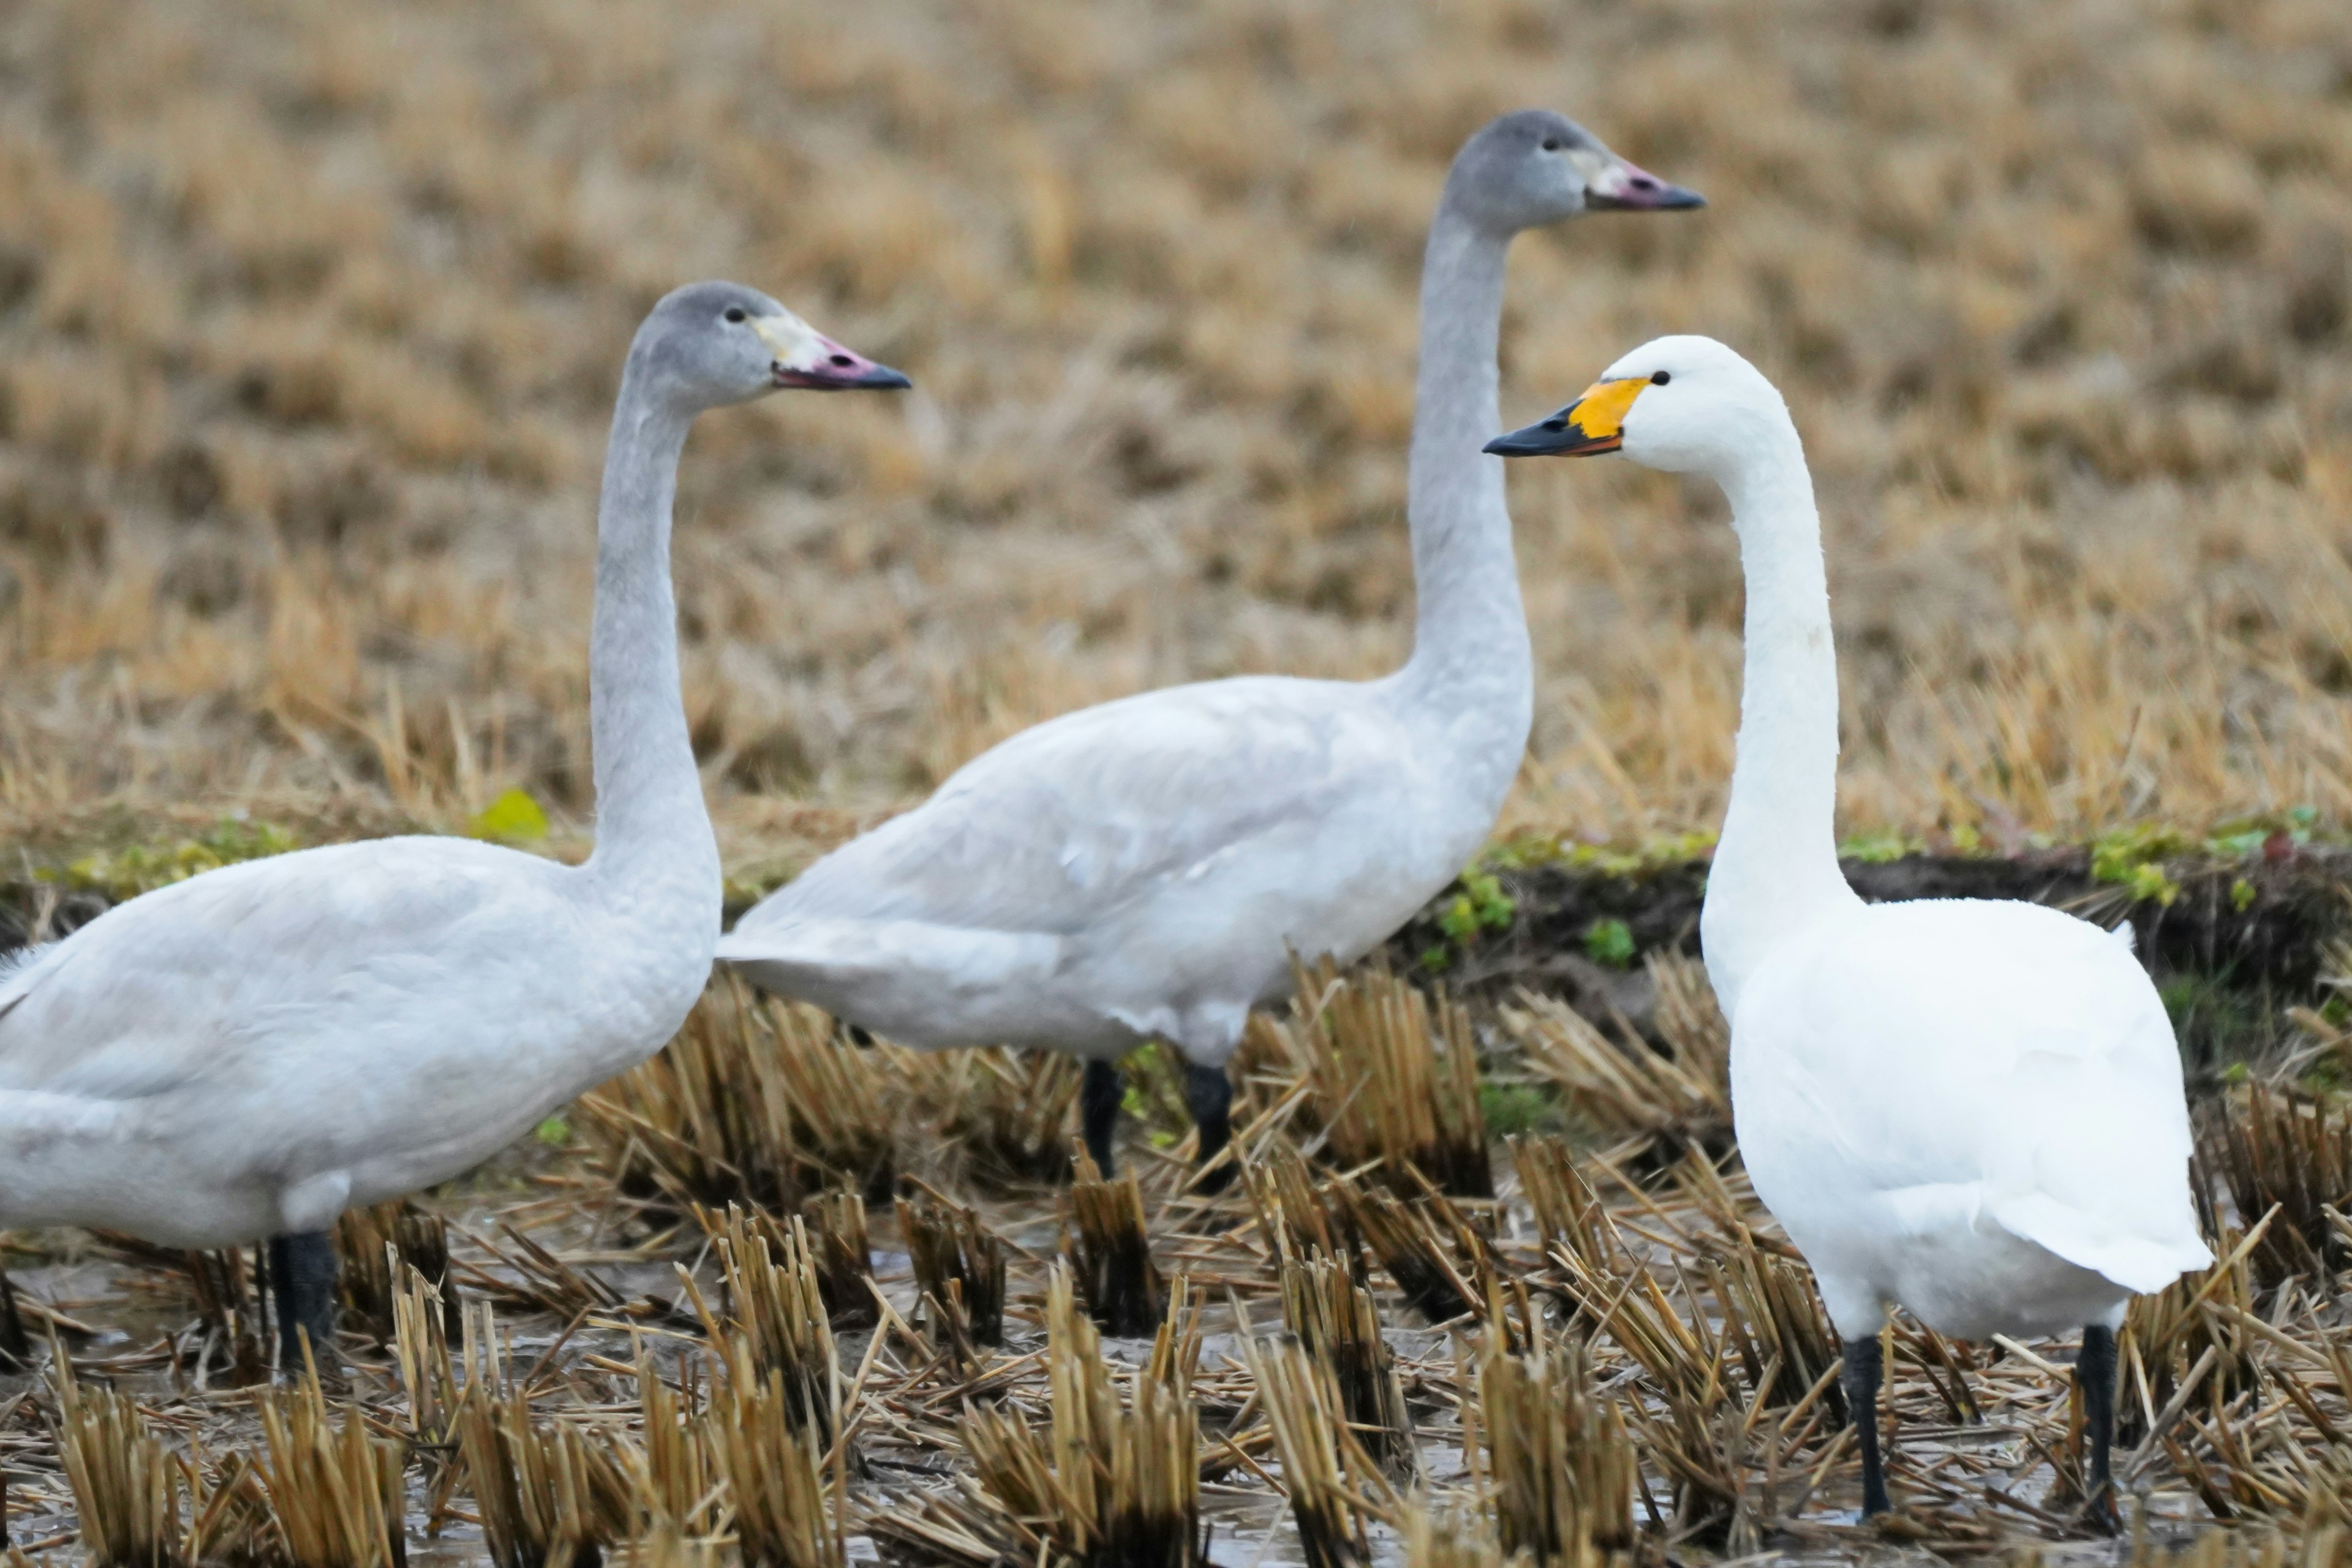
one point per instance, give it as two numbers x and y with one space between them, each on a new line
1099 1096
2095 1369
15 1347
302 1277
1209 1095
1861 1375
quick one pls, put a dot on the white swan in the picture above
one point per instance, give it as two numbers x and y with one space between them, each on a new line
1970 1108
1134 871
247 1053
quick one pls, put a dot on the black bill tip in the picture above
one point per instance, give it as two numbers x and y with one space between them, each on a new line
1556 437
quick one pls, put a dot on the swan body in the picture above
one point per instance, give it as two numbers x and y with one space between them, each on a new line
247 1053
1133 871
1970 1108
1139 870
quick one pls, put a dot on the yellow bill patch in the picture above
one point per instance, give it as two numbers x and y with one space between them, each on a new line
1600 415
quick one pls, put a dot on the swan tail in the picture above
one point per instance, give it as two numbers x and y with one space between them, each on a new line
913 982
2139 1264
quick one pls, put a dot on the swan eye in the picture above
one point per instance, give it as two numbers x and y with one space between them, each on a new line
1660 377
735 314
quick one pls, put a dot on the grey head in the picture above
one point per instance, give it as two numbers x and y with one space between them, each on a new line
1532 167
709 345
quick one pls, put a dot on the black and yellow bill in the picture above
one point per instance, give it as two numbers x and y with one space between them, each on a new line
1593 423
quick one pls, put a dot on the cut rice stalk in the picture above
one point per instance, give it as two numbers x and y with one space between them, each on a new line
1105 1237
1335 1489
787 1501
1648 1102
845 1258
1564 1471
1334 1320
1442 1265
372 1245
779 1323
2293 1151
1112 1483
336 1491
1390 1083
1299 1218
1009 1112
959 1266
126 1484
752 1102
550 1496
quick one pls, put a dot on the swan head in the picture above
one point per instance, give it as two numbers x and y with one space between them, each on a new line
1685 404
710 344
1533 167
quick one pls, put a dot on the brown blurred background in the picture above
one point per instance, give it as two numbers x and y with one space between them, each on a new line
311 314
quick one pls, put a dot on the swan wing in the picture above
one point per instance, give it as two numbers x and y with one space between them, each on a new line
1064 824
333 960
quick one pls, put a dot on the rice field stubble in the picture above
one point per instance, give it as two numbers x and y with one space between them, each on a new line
1631 1367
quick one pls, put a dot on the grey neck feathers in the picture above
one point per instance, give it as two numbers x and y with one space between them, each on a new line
1471 661
1776 867
650 816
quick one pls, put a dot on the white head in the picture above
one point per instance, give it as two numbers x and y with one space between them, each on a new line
710 344
1685 404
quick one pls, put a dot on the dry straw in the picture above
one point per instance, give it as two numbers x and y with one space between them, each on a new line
1389 1082
2294 1151
1334 1320
1006 1112
1335 1490
1110 1483
787 1498
372 1245
752 1103
1645 1101
777 1325
1110 1248
1563 1471
126 1484
836 1222
336 1491
959 1267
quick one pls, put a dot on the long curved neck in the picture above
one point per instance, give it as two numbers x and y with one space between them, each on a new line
650 816
1776 867
1471 660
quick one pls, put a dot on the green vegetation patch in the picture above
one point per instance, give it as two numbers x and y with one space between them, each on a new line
137 868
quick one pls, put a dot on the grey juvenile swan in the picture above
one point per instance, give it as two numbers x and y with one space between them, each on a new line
1135 870
245 1054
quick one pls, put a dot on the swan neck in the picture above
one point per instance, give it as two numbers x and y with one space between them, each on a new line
650 815
1776 867
1470 655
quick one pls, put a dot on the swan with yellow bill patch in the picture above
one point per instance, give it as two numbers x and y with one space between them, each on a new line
1970 1108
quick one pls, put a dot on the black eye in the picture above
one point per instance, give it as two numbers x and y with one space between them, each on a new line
1551 144
1660 377
735 313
